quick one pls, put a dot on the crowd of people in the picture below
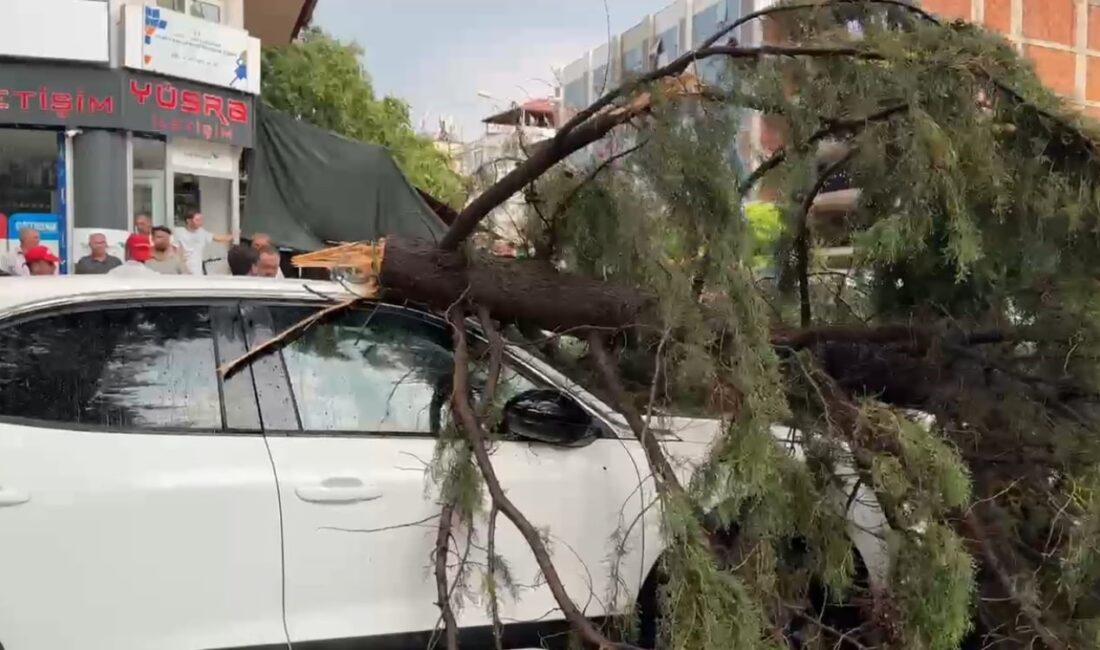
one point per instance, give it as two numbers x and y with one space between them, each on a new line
150 249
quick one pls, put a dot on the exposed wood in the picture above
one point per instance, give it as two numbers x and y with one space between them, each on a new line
512 290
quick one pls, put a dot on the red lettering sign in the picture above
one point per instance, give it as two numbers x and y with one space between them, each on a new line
238 111
191 102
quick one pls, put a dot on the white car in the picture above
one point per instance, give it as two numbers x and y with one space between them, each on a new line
146 504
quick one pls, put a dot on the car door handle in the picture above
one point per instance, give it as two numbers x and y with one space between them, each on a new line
337 490
10 497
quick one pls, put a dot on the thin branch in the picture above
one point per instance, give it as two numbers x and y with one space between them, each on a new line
491 558
286 336
663 472
442 592
496 354
802 238
674 67
976 532
835 127
469 423
591 176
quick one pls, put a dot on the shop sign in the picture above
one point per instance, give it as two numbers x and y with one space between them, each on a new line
52 95
177 45
186 110
71 96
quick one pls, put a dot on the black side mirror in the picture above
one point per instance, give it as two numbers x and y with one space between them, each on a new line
547 415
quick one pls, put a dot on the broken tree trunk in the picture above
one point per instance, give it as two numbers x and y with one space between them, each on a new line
511 290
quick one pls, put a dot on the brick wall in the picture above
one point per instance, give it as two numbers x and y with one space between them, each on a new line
1060 37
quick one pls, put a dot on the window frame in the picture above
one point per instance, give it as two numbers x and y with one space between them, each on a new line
186 9
84 307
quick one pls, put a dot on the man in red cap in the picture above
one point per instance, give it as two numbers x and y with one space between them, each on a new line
40 261
138 251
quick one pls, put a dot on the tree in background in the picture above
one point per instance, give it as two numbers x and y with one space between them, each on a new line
320 80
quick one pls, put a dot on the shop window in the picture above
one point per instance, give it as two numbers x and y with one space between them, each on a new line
210 10
28 172
149 174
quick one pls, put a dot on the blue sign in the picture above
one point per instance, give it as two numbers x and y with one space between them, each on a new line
47 225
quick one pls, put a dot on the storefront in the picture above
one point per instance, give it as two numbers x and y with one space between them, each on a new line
86 147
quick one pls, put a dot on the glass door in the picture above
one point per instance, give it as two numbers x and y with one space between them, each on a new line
149 196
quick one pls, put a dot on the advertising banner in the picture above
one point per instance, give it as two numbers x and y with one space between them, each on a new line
175 44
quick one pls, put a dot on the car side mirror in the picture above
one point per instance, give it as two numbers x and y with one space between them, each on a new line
549 416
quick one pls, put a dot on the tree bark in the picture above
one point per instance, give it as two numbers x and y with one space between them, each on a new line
511 290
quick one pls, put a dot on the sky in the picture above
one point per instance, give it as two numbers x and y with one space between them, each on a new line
439 54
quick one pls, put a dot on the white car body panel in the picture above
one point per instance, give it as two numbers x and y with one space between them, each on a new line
134 541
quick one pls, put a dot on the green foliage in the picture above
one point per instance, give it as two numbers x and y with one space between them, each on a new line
322 81
933 579
979 211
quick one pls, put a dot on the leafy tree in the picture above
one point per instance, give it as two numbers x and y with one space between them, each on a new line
953 372
321 80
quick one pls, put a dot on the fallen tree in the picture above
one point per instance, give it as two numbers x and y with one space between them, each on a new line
972 298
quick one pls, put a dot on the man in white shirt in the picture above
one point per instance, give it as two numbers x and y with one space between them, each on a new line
193 239
15 263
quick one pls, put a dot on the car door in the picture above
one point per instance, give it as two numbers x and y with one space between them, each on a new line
359 504
138 505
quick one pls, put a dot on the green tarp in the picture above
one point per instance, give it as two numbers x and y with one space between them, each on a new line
308 187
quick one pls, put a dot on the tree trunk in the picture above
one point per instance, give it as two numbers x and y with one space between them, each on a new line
529 291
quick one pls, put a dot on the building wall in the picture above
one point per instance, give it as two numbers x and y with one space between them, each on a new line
1060 37
168 134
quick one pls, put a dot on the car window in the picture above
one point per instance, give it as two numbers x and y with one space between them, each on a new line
375 369
121 368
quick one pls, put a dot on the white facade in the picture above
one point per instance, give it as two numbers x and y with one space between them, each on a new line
66 30
654 41
174 83
489 159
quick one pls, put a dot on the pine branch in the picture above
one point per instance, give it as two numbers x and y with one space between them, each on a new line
443 594
834 128
802 238
479 445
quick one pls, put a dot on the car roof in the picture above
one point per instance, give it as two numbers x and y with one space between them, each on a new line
22 293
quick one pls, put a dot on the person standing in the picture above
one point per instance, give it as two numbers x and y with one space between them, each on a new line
194 239
267 264
260 243
15 263
138 251
40 261
99 262
242 260
143 224
166 259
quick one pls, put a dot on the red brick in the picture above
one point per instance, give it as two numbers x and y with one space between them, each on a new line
773 133
998 15
1049 20
1055 68
1092 79
1094 27
948 8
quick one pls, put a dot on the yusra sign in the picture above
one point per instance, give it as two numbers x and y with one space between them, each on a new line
71 96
